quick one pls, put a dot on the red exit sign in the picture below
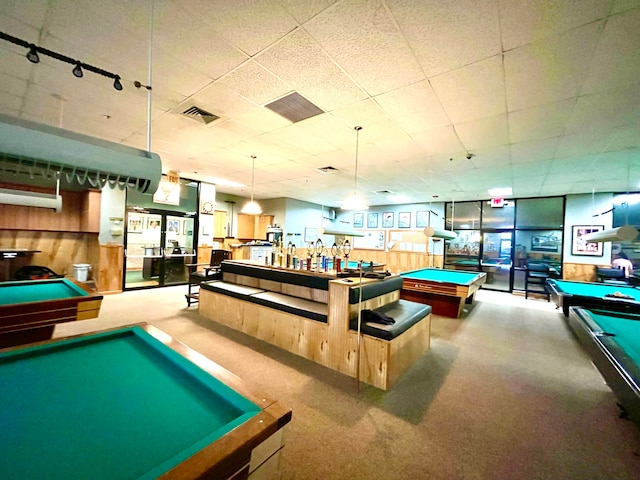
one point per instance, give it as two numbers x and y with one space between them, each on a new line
497 202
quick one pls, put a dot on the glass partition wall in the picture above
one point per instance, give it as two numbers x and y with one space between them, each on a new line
502 241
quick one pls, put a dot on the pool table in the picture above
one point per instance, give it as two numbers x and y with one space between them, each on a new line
612 340
30 309
130 403
566 294
447 291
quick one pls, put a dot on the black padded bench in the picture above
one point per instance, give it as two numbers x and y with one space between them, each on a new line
286 303
275 275
405 314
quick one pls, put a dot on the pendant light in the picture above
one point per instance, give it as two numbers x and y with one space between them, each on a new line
251 207
355 202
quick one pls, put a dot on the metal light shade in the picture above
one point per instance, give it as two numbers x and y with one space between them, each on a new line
438 233
620 234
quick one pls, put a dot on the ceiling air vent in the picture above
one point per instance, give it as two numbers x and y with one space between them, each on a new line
328 169
294 107
199 115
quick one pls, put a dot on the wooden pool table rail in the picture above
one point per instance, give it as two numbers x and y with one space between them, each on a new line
22 323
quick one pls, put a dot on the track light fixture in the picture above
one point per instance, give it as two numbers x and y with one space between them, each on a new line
32 54
77 70
34 57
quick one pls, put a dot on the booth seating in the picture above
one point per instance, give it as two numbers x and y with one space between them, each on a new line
199 272
611 276
315 315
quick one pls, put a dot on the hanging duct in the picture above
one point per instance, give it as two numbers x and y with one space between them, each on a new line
625 233
438 233
29 150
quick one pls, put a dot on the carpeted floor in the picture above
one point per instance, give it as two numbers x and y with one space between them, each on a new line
504 393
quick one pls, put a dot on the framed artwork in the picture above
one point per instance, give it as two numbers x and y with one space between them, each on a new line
422 219
404 220
545 243
134 225
310 234
578 244
358 220
387 220
372 220
153 223
173 226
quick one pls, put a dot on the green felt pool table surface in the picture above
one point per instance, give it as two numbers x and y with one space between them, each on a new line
612 340
593 295
113 405
446 291
38 291
443 275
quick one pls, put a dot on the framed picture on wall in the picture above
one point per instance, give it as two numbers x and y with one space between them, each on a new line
422 219
134 225
580 247
404 220
387 220
173 226
372 220
358 220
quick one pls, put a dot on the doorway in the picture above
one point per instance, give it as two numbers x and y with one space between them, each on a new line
159 244
497 259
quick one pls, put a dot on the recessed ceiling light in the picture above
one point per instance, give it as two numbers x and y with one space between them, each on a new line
500 192
224 183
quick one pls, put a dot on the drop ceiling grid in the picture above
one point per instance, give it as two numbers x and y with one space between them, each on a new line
249 26
484 132
306 141
551 69
472 92
413 107
524 152
525 21
299 61
446 37
363 39
609 71
541 122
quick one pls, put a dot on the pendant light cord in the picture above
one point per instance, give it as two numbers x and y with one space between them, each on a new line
357 129
253 175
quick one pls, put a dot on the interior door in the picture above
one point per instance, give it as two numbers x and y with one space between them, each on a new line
497 259
159 246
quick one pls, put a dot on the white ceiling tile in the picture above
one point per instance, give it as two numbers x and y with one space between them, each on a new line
255 83
414 107
364 40
483 133
551 69
303 10
250 25
472 92
609 71
448 35
537 123
299 61
534 151
524 21
439 142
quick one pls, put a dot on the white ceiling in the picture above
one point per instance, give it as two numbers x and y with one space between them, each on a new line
545 94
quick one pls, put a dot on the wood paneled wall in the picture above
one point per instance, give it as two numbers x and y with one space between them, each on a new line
397 262
58 250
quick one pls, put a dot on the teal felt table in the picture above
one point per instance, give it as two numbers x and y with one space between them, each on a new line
447 291
30 309
612 340
129 403
566 294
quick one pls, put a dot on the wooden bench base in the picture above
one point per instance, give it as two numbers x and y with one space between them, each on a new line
330 344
